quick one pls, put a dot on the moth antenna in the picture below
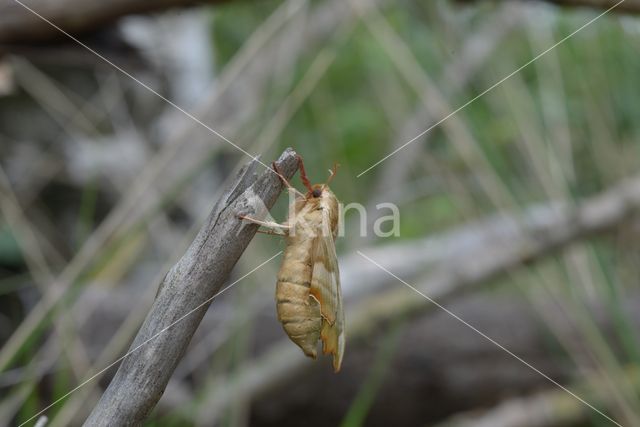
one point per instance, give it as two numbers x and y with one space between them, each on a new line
303 174
333 172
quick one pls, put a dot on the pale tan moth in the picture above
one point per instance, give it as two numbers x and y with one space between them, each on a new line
308 295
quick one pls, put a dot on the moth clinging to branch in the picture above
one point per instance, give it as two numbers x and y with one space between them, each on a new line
308 295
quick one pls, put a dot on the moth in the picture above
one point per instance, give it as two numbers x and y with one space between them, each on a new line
308 294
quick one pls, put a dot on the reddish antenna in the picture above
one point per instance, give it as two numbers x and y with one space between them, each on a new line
303 174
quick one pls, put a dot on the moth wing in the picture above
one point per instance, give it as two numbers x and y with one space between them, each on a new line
325 287
325 278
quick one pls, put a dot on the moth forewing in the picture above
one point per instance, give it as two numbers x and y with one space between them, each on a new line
325 283
325 280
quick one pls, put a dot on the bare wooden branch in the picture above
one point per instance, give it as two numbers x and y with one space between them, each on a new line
19 25
550 408
627 6
197 277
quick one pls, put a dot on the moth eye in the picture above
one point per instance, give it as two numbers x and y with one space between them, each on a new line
317 192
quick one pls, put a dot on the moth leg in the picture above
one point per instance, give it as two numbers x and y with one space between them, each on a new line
272 232
284 180
269 224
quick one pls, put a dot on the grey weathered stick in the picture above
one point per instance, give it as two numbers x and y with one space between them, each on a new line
197 277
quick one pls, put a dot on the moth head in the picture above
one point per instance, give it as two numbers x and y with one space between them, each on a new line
315 190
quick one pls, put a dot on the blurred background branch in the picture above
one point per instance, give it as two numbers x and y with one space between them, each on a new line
19 25
630 6
544 409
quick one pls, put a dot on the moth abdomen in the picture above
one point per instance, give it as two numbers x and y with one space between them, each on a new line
299 315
